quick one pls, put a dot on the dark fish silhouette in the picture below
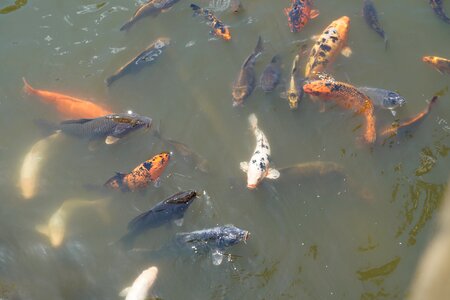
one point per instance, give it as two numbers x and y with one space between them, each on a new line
245 81
146 57
171 209
371 17
271 75
152 8
437 6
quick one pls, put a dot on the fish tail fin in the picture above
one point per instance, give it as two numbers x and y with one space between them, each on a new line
386 42
110 80
259 47
27 88
253 121
295 64
115 182
127 25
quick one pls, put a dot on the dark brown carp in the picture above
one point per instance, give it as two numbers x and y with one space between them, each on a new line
437 6
271 75
371 17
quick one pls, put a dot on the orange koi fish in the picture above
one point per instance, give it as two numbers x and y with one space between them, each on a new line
332 41
69 107
141 176
348 97
442 65
218 28
299 13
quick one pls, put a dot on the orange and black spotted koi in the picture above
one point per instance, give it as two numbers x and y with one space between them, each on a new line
141 176
218 28
347 96
299 13
437 6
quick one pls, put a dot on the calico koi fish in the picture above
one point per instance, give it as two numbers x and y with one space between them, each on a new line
438 8
148 171
371 17
442 65
271 75
218 28
258 167
299 14
245 82
151 8
332 41
141 286
347 96
67 106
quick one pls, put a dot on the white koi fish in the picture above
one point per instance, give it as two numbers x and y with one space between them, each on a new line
258 167
141 286
55 229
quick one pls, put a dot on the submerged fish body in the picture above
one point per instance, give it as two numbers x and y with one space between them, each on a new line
258 167
142 285
170 209
441 64
218 27
383 98
438 8
371 17
347 96
332 41
67 106
294 92
146 57
271 75
299 14
216 238
111 127
151 8
245 82
148 171
31 166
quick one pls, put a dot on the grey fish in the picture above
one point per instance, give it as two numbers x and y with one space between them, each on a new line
437 6
111 127
271 75
146 57
371 17
170 209
152 8
245 82
383 98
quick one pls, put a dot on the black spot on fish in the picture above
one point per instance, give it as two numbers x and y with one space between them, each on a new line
334 38
323 40
254 161
257 152
147 165
325 48
326 32
322 54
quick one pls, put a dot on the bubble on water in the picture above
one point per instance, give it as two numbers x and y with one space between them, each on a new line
117 50
48 38
219 5
217 257
67 19
190 44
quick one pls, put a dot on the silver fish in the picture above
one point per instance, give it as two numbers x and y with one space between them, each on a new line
383 98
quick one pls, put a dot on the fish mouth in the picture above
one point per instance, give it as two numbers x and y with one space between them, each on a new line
251 186
246 236
426 59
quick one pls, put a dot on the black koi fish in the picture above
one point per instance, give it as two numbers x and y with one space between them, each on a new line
371 17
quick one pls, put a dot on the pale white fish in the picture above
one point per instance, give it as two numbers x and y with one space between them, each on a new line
258 167
141 286
31 166
55 229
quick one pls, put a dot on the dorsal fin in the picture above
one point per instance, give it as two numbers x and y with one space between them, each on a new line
79 121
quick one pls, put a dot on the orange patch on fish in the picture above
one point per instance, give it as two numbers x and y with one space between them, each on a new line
299 14
68 107
441 64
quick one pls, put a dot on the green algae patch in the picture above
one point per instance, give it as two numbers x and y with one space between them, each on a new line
383 270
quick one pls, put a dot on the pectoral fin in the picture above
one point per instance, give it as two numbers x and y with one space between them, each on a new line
43 229
273 174
179 222
393 112
111 140
347 51
244 166
314 13
124 292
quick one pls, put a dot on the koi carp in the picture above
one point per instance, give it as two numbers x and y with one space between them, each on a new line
299 14
148 171
371 17
438 8
141 286
218 28
271 75
151 8
442 65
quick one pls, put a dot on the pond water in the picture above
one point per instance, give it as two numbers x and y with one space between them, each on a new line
357 236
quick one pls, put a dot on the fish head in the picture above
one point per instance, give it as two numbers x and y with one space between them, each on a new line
239 94
257 171
341 25
157 164
223 32
393 100
320 88
428 59
184 198
127 122
292 97
233 235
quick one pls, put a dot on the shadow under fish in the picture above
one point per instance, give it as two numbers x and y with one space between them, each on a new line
146 57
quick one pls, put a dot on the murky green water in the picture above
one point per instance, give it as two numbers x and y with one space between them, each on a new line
323 237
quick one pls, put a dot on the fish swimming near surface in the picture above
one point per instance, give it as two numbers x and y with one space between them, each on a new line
438 8
236 6
299 14
371 17
146 57
142 285
409 124
141 176
67 106
170 209
332 41
55 229
294 92
442 65
384 99
346 96
219 29
244 84
151 8
258 167
271 75
111 127
32 164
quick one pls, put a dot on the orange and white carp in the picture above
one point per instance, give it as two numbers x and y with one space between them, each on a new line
69 107
299 14
258 167
442 65
218 27
347 96
332 41
148 171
